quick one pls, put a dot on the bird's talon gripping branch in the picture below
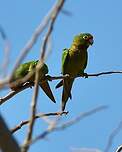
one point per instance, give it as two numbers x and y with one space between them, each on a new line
85 75
63 113
67 76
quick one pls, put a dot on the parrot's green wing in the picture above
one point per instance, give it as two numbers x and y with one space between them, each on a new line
20 73
64 62
67 83
81 72
24 69
44 69
65 58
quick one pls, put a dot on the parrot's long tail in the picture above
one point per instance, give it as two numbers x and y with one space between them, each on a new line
67 86
46 88
59 84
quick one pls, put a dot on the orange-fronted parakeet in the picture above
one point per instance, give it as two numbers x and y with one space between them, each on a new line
74 62
24 69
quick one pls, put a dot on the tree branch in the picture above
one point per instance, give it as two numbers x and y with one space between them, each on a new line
51 78
7 141
104 73
112 136
13 93
54 127
23 123
6 51
53 17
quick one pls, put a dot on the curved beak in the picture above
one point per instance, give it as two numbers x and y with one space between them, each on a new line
91 41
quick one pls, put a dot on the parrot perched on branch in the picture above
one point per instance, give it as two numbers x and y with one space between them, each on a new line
74 62
25 69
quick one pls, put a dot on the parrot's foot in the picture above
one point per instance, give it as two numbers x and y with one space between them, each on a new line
63 113
48 77
67 76
85 75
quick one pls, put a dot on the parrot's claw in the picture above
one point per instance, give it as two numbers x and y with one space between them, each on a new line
63 113
85 75
67 76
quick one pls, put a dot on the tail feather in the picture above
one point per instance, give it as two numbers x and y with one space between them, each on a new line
59 84
67 86
46 88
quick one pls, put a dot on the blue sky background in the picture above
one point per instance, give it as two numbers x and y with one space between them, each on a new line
103 19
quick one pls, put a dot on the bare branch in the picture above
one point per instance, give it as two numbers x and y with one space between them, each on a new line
113 134
81 116
68 123
51 78
55 9
23 123
53 16
13 93
33 113
6 51
85 150
89 75
105 73
7 141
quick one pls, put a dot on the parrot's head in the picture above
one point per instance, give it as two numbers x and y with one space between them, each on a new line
83 39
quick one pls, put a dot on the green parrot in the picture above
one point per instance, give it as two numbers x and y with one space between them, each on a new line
24 69
74 62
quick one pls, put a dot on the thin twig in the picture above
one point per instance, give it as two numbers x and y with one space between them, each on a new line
85 150
53 16
52 21
33 113
62 77
105 73
81 116
13 93
51 78
113 134
69 123
6 50
44 23
25 122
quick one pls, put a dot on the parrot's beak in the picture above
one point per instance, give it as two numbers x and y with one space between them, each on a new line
91 41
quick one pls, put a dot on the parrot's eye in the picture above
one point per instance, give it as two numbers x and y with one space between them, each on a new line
85 37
